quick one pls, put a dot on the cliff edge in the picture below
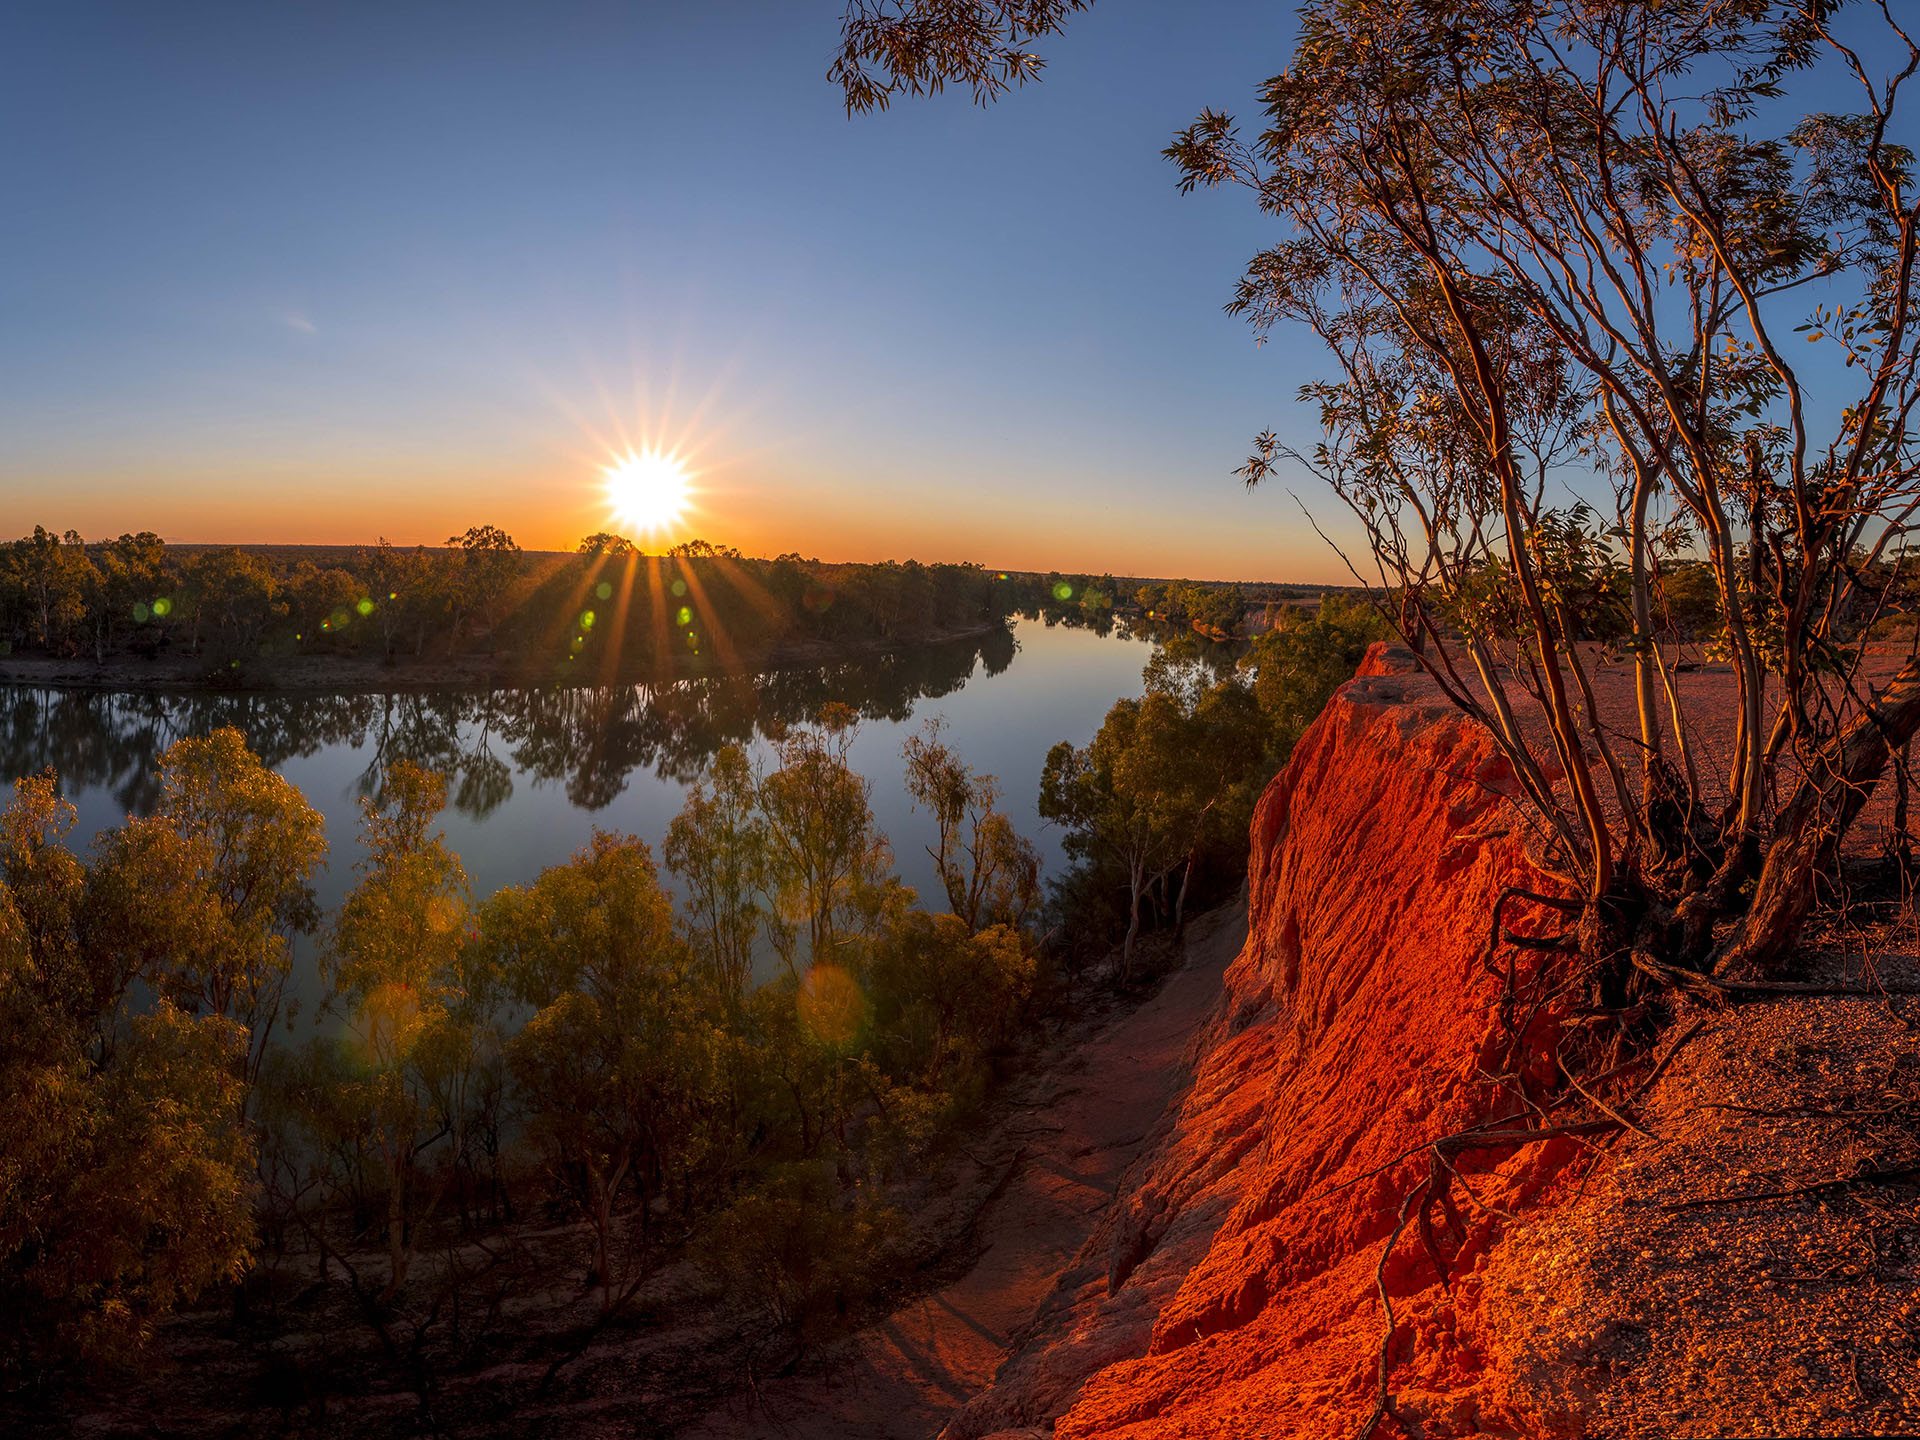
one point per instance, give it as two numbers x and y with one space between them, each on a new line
1653 1281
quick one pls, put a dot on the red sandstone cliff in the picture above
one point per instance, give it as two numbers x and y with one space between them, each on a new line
1234 1287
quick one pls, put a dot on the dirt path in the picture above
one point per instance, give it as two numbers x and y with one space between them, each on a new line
1093 1108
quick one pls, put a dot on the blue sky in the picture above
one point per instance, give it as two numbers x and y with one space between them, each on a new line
279 273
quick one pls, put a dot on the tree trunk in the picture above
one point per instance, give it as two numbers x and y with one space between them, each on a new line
1825 803
1135 885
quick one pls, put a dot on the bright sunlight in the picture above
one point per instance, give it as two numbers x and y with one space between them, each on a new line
648 490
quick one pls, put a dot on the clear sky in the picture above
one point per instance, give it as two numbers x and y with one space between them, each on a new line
322 272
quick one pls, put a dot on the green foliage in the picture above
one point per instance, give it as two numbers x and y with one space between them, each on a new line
396 965
809 1252
1167 774
203 896
718 846
233 598
45 581
125 1168
1304 658
829 867
991 875
944 995
701 607
616 1062
571 1037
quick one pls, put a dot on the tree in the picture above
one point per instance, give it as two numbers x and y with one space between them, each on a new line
1095 793
128 578
1530 255
484 565
50 576
613 1063
1304 658
125 1169
405 598
944 994
718 846
991 875
234 599
395 965
203 897
326 606
919 47
828 863
606 546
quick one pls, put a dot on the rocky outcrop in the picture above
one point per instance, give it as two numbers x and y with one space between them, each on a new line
1236 1286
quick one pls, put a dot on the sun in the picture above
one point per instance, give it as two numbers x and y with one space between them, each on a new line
649 490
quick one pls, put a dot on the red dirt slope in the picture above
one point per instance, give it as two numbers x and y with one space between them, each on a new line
1243 1261
1747 1262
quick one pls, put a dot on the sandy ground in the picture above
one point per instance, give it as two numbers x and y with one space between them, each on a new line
1078 1133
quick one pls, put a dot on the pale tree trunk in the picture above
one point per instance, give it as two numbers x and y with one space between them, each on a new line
1136 882
1807 839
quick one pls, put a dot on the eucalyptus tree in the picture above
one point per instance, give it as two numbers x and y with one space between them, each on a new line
482 564
1554 245
829 871
204 897
1542 241
615 1062
128 576
397 964
718 848
919 47
989 871
125 1168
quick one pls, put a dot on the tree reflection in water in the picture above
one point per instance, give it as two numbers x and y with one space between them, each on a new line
590 738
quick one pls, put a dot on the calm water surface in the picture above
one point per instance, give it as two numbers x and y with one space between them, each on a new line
534 772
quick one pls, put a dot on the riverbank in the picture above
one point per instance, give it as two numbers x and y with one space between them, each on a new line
361 675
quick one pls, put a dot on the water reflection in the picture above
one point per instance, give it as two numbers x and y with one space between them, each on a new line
590 739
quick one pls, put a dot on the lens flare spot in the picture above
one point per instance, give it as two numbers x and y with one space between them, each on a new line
389 1022
163 607
831 1005
365 607
1063 591
603 591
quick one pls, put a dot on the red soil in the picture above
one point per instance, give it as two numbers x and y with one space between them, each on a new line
1244 1257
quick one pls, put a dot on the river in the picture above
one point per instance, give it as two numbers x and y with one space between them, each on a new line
534 772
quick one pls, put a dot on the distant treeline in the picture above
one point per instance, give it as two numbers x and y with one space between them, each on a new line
605 610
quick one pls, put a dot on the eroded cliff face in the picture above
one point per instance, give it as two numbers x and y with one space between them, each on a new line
1233 1288
1716 1270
